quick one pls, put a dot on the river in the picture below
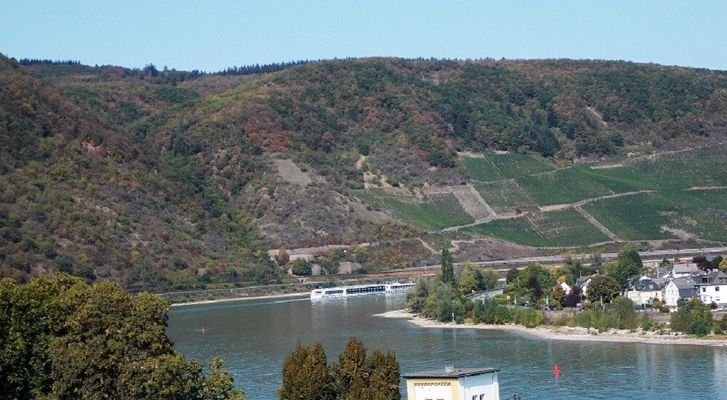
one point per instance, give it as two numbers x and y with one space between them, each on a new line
254 337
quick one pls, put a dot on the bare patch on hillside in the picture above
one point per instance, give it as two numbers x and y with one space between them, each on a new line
468 198
314 216
289 172
680 233
607 166
360 162
487 249
598 116
470 154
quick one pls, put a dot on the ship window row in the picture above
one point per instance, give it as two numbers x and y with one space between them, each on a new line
334 291
400 287
368 289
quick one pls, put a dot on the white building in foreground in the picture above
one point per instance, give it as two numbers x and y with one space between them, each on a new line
453 384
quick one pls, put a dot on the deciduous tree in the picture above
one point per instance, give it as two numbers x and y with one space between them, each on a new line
351 372
627 266
603 288
306 375
62 338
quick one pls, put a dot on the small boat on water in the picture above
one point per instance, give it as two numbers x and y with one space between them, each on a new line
361 290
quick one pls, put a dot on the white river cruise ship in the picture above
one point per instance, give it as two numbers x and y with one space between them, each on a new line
361 290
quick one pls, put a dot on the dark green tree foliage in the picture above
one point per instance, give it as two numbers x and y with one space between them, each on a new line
443 302
351 371
603 288
447 267
384 376
531 283
306 375
722 325
416 299
301 267
362 376
714 264
61 338
355 376
627 266
693 317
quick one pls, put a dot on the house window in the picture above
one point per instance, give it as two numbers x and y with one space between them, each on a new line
716 288
704 290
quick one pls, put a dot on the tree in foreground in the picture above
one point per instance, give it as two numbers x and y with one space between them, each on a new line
306 375
355 376
62 338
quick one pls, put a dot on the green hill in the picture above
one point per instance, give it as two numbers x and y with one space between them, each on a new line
172 178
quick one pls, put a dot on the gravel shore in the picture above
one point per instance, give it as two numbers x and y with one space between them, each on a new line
566 333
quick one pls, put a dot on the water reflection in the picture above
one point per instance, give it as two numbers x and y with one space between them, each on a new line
255 337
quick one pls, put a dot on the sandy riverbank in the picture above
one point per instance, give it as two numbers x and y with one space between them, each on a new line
233 299
565 333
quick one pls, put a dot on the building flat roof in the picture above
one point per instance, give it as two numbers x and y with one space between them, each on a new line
456 373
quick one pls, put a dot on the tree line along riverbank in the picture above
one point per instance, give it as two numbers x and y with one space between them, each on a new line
530 292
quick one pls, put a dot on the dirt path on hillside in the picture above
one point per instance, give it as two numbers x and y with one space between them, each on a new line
468 197
697 188
427 246
597 224
580 203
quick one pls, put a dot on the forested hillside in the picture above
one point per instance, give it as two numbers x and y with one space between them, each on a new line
170 178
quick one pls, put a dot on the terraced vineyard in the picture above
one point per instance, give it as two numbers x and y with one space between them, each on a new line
554 229
505 196
494 167
434 213
645 198
696 168
665 215
564 186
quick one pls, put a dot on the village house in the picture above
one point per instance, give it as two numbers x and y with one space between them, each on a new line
679 288
566 288
712 288
684 270
644 291
583 283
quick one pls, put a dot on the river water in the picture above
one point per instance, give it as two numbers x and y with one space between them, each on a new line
254 337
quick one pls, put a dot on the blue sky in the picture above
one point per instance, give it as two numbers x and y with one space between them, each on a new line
211 35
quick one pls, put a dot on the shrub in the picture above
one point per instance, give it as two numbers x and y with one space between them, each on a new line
528 317
301 267
693 317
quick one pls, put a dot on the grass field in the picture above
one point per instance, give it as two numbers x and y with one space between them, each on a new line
436 212
558 228
702 213
505 196
495 167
